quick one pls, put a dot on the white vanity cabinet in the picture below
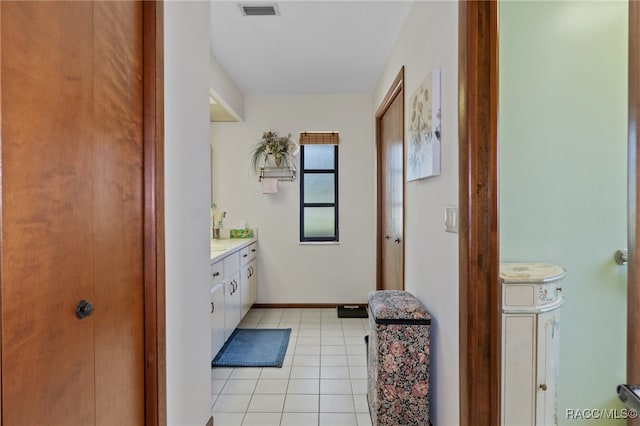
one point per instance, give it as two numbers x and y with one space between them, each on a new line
233 286
249 277
531 301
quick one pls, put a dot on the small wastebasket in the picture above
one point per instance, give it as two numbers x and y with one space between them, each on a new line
398 359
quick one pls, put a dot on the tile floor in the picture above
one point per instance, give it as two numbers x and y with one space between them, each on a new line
323 380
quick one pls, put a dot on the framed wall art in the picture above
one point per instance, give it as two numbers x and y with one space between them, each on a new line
423 151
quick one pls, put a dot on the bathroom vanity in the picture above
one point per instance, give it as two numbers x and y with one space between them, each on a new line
234 286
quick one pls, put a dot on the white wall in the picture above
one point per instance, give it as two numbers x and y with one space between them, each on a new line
288 271
429 39
563 131
225 89
186 60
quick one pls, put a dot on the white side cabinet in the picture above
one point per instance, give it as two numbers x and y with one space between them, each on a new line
531 301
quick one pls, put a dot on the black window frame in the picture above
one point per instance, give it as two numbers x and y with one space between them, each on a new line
334 171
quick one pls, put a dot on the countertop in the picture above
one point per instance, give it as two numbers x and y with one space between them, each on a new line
224 247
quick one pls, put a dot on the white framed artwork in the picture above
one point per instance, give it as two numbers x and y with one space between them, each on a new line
423 152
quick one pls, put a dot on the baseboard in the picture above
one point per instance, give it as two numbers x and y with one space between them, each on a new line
210 422
304 305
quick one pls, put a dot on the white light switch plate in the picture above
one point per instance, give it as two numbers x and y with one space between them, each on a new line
451 219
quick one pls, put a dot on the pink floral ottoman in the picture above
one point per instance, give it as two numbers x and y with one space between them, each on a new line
398 359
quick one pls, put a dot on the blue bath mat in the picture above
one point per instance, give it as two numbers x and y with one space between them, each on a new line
254 347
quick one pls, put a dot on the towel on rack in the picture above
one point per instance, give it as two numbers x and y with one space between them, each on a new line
269 185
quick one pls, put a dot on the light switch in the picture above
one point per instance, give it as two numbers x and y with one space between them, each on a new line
451 219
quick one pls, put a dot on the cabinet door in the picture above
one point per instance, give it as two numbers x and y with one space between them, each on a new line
232 304
547 371
245 290
216 298
518 369
253 282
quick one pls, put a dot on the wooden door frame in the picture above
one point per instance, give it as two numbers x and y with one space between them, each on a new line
479 252
154 262
397 87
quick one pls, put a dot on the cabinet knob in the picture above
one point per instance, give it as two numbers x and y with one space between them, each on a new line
253 250
558 288
543 387
215 274
83 309
387 237
245 255
397 240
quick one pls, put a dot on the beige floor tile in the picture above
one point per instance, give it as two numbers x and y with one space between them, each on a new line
273 386
245 373
338 419
299 419
261 419
335 387
228 419
332 372
303 386
231 404
363 419
239 387
337 404
334 360
266 403
305 372
301 404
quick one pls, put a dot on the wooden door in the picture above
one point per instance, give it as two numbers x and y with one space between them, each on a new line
72 213
390 145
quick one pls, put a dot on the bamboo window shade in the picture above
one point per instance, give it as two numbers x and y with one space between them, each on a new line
319 138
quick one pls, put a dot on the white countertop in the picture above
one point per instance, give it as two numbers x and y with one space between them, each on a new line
224 247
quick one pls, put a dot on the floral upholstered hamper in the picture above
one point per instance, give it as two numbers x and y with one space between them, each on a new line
398 359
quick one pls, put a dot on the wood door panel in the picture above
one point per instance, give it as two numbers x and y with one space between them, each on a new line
47 246
391 147
72 213
118 213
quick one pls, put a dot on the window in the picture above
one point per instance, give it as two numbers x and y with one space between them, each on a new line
318 189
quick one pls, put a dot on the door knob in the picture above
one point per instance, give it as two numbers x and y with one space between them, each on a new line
621 256
386 237
83 309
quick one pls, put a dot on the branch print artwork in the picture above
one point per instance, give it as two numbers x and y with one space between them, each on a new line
423 153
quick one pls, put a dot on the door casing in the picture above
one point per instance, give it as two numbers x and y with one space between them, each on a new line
479 301
396 89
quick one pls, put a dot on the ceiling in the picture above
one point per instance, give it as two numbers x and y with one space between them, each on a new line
311 47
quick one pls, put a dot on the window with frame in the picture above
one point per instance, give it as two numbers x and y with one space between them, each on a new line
319 187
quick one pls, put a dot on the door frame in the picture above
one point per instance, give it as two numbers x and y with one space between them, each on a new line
153 170
397 88
480 329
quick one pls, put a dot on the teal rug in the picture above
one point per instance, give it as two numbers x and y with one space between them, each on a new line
254 347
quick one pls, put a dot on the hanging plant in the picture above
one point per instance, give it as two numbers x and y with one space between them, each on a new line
281 149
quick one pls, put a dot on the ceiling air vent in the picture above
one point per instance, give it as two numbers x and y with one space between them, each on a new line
259 10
